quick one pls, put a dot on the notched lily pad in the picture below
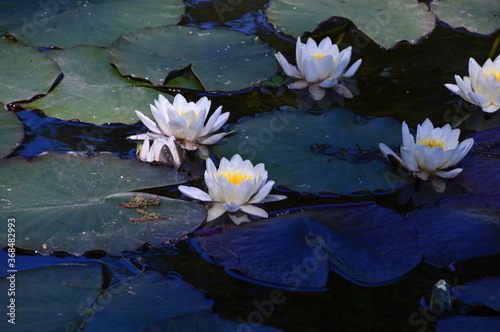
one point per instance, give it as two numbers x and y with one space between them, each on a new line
460 228
482 292
11 131
24 71
220 59
483 19
385 21
73 203
75 22
52 298
296 251
333 153
91 90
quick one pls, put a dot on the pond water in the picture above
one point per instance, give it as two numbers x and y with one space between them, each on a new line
406 83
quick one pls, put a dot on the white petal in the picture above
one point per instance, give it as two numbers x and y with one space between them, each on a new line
298 85
262 194
195 193
478 100
221 120
273 198
352 70
212 139
491 108
409 160
310 71
387 151
211 122
150 124
287 68
448 174
316 92
253 210
214 211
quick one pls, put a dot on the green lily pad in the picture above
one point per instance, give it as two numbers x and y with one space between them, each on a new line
331 153
143 300
67 297
97 22
74 203
11 131
483 18
385 21
220 59
91 90
24 72
51 298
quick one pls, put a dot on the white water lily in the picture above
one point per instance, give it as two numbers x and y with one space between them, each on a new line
434 150
318 66
156 152
233 187
482 86
185 121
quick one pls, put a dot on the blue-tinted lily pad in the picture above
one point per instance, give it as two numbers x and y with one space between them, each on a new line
480 174
220 59
365 243
74 22
460 228
333 152
385 21
468 324
11 131
196 323
91 90
74 203
143 300
51 298
24 71
483 292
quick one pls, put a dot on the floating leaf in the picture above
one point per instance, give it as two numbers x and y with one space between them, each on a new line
24 72
480 174
483 292
461 227
220 59
143 300
74 203
11 131
483 19
386 21
468 323
51 298
329 153
196 323
91 90
365 243
69 23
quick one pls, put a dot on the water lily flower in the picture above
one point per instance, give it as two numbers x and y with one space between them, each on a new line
434 150
233 187
318 66
185 121
156 151
482 86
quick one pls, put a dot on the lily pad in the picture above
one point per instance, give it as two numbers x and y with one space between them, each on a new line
91 90
143 300
220 59
24 72
11 131
296 251
333 153
196 323
74 203
460 228
483 19
51 298
385 21
480 174
468 323
69 23
482 292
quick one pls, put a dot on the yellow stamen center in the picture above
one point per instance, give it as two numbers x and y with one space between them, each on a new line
433 142
182 112
494 73
318 56
235 177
